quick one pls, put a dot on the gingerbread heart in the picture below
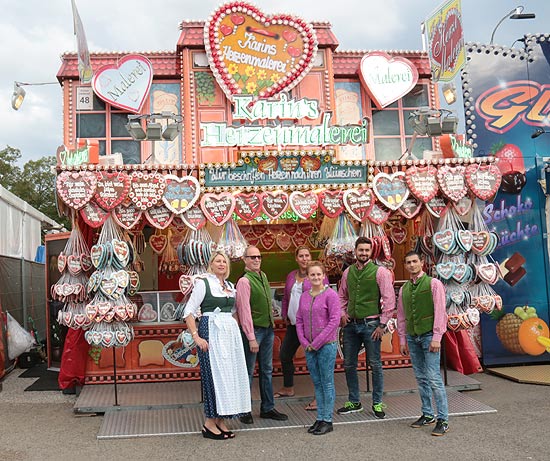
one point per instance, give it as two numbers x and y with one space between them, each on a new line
194 218
304 204
391 189
436 206
127 215
158 243
445 240
410 207
180 193
452 181
267 240
274 204
160 216
185 284
284 241
483 180
358 203
112 189
331 202
463 206
398 234
248 206
146 189
76 188
218 208
378 214
422 182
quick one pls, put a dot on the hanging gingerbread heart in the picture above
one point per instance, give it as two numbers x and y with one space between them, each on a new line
93 214
445 240
358 203
422 182
331 203
112 189
267 240
274 204
274 52
463 206
185 284
160 216
398 234
481 241
76 188
284 241
304 204
248 206
127 215
180 193
391 189
158 243
452 181
483 180
146 189
194 218
299 239
378 214
436 206
218 208
410 207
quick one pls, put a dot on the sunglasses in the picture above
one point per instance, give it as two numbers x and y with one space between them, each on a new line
254 257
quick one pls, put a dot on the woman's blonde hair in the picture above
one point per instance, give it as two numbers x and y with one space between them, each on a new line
211 260
316 264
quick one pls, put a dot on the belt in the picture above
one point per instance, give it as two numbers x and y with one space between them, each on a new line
364 320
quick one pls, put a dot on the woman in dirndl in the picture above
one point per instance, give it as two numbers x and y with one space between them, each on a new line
224 379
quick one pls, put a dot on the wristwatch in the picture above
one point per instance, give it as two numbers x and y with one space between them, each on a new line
382 325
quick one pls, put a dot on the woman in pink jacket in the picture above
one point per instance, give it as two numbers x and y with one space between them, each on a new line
317 322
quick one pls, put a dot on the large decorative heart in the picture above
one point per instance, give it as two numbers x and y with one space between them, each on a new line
331 203
422 182
127 215
378 215
112 189
410 207
180 354
125 84
483 180
391 189
159 216
194 218
76 188
387 79
146 189
218 208
93 214
180 193
304 204
274 204
452 181
248 206
251 53
358 203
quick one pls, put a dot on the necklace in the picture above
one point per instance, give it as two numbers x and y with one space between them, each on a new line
318 293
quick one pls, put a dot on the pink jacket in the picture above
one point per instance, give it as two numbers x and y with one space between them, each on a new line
290 279
318 318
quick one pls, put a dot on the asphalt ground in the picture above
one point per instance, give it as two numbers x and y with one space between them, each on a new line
42 426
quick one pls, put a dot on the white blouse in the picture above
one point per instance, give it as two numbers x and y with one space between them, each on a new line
193 306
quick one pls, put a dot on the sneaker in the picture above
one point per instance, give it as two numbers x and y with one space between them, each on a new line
378 410
350 407
440 428
423 421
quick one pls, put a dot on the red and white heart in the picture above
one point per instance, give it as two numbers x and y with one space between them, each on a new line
465 239
452 181
126 83
146 189
76 188
436 206
463 206
180 193
248 206
267 240
483 180
488 273
274 52
422 182
127 215
93 214
160 216
121 250
274 204
61 262
481 241
194 218
410 207
391 189
112 189
358 203
331 202
284 241
74 265
378 214
398 234
473 315
185 284
158 243
218 208
147 313
107 287
445 240
304 204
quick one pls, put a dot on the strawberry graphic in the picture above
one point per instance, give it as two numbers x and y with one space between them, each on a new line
510 157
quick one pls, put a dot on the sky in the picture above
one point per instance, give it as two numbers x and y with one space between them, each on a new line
34 34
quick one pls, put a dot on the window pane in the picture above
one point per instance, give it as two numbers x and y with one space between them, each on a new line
408 128
387 149
385 122
130 150
90 126
420 145
102 148
118 126
99 104
417 97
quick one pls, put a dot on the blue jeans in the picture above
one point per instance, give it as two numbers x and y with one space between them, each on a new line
321 369
355 335
264 337
426 366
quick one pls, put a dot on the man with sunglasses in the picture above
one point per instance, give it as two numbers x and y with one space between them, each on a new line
253 301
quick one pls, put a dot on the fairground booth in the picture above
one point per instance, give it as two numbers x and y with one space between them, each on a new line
255 130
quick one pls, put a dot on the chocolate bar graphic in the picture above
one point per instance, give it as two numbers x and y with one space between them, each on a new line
514 262
511 278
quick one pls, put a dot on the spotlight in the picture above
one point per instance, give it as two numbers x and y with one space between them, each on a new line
449 124
433 126
171 131
538 132
154 131
17 96
449 92
136 130
160 127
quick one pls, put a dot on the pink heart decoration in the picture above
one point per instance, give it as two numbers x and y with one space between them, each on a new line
185 284
125 84
257 40
194 218
112 189
159 216
483 180
410 207
74 265
304 204
158 243
146 189
93 214
248 206
180 193
452 181
398 234
147 313
76 188
387 78
218 208
391 189
358 203
127 215
61 262
463 205
488 273
422 182
331 202
274 204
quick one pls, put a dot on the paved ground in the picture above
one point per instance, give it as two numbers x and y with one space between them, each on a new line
42 426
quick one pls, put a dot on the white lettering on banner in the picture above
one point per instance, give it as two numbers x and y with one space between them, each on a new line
245 58
282 108
252 44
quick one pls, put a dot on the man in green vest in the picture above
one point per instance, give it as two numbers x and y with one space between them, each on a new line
253 301
368 302
421 324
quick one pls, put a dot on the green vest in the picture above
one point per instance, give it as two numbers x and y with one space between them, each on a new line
209 303
363 291
418 305
260 299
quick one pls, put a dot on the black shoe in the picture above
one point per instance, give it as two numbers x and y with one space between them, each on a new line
247 418
323 428
230 434
423 421
274 414
441 428
208 434
314 427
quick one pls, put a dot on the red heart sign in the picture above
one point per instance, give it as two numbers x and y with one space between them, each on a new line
378 215
422 182
284 241
358 203
452 182
194 218
158 242
146 189
436 206
218 208
76 188
112 189
93 214
331 202
304 204
159 216
252 56
274 204
410 207
248 206
127 216
398 234
483 180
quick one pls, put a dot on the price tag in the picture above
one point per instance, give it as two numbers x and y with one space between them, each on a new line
84 98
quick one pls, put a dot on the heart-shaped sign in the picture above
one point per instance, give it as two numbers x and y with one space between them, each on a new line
185 284
180 354
463 205
93 214
304 204
76 188
473 315
488 273
111 189
483 180
159 216
126 83
267 240
251 53
147 313
158 243
194 218
422 182
452 181
180 193
218 208
410 207
387 79
391 189
445 270
398 234
146 189
331 202
445 240
378 215
436 206
481 241
358 203
127 215
274 204
284 241
248 206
